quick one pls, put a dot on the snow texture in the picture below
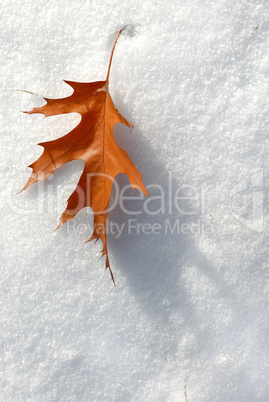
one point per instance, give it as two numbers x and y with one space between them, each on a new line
189 313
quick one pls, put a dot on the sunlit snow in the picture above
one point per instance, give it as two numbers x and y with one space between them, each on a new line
189 316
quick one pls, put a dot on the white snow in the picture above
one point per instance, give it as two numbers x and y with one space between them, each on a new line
190 309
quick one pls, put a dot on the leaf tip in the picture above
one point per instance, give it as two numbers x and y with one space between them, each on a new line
20 191
41 144
58 227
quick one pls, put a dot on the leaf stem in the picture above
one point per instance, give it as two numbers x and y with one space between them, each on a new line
110 61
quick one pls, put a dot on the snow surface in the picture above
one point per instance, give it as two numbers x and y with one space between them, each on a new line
190 309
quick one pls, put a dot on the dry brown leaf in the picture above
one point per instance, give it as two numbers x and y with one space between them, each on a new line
93 142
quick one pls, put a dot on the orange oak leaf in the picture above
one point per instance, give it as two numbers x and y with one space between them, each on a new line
93 142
